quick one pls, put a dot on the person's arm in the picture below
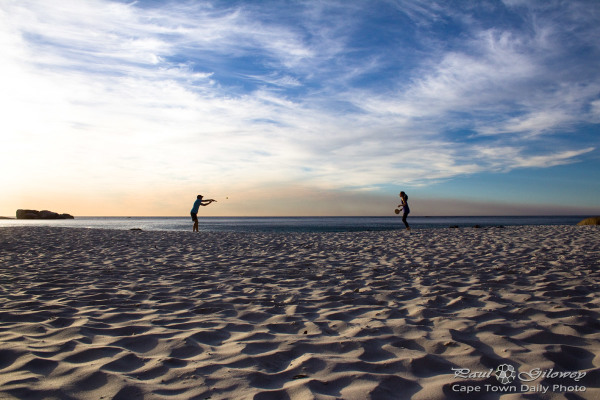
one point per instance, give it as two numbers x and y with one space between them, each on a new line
207 202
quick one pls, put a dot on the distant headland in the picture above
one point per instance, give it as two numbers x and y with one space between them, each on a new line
590 221
44 214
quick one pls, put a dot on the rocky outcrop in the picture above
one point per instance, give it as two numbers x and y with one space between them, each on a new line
590 221
44 214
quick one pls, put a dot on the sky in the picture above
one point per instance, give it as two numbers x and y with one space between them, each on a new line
132 108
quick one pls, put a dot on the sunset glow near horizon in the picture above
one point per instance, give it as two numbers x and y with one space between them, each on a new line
300 108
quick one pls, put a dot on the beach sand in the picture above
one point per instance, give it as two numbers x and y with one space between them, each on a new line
105 314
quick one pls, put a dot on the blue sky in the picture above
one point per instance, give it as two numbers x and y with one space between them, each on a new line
300 107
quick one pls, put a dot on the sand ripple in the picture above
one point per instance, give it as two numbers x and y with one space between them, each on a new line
99 314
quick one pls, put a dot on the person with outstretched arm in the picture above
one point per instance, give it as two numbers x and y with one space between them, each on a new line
194 213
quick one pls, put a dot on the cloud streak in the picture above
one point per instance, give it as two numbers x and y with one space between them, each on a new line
319 94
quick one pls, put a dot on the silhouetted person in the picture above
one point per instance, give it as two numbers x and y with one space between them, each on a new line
405 209
194 213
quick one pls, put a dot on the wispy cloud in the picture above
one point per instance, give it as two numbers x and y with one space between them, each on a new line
328 94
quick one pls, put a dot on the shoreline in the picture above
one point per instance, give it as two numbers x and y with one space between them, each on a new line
294 224
88 313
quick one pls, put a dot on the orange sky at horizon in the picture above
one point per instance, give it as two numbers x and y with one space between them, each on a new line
290 201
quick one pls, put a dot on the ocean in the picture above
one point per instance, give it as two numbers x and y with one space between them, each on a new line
292 224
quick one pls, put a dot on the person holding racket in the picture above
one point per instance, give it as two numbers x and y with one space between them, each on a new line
194 213
404 208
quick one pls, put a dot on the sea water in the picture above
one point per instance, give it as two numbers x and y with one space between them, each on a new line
292 224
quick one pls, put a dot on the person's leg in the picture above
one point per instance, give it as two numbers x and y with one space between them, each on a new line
404 220
195 219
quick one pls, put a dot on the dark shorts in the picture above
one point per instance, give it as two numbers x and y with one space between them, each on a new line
194 217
